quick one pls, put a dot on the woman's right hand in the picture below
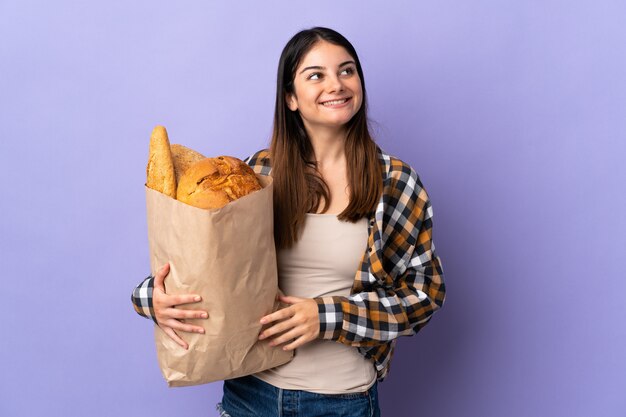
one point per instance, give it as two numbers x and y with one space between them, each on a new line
168 316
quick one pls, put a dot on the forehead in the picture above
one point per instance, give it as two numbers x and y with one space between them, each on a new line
325 54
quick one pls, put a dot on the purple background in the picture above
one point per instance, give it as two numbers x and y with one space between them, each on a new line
513 113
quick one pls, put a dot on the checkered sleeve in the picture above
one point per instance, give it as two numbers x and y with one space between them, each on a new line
403 284
142 298
260 162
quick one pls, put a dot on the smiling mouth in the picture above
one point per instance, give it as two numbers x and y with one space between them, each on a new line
335 102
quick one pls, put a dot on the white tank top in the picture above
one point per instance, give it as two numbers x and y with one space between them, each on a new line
323 262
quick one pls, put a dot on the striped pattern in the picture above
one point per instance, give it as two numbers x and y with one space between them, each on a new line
399 283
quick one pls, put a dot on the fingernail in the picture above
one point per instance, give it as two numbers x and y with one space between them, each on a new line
197 298
263 321
205 315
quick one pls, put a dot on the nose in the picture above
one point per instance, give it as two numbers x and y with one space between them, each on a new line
334 84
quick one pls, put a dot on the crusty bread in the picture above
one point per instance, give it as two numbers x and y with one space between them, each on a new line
160 170
214 182
183 158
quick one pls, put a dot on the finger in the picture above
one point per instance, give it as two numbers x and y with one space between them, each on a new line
164 300
275 329
179 313
296 343
183 327
159 277
286 337
283 313
172 334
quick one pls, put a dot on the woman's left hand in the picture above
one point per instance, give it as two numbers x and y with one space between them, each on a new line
299 321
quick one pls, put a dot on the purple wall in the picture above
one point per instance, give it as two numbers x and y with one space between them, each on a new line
513 113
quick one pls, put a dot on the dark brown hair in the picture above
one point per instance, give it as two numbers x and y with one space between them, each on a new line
298 185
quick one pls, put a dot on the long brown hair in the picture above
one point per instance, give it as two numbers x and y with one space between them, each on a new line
298 185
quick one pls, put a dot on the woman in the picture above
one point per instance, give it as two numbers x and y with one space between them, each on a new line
335 193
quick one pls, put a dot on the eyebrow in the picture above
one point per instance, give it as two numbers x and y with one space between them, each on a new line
323 68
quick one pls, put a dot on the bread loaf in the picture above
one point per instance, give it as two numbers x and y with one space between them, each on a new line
160 170
188 176
214 182
183 158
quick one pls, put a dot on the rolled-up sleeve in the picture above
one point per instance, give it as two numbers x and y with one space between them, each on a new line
142 298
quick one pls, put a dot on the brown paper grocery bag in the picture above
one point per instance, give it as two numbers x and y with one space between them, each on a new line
227 256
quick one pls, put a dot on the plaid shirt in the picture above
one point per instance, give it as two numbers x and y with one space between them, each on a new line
399 283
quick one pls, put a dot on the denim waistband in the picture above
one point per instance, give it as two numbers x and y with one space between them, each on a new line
250 397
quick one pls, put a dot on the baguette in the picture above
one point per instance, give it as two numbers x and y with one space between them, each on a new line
160 170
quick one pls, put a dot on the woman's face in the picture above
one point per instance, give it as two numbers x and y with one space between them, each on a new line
327 87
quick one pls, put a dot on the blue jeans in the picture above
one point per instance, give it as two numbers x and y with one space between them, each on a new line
250 397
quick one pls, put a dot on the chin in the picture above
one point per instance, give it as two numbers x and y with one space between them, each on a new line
340 120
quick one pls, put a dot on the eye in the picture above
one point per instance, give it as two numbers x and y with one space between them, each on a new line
314 76
348 71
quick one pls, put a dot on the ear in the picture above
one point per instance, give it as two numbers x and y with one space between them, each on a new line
291 101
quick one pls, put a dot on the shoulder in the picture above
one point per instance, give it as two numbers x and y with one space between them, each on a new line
260 162
401 182
397 171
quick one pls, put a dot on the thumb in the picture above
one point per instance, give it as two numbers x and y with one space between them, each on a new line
159 277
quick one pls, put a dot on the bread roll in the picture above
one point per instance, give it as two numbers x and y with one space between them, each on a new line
183 158
214 182
160 170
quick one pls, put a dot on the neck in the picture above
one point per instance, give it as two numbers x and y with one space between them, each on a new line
328 145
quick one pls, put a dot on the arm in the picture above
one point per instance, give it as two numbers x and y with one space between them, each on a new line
405 294
389 308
